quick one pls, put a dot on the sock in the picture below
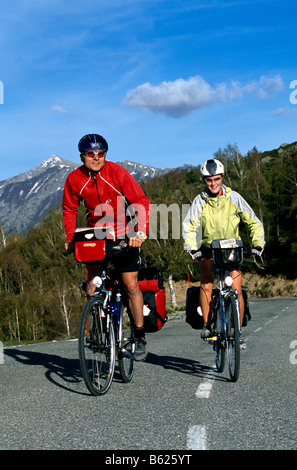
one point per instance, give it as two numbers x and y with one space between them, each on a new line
139 332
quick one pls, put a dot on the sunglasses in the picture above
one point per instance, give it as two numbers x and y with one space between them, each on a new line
213 180
91 154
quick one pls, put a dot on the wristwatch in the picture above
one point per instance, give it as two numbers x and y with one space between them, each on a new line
141 235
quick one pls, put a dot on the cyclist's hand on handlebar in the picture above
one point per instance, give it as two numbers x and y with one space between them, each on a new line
69 246
195 254
136 242
257 251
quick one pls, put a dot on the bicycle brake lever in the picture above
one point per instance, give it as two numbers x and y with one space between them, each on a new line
121 246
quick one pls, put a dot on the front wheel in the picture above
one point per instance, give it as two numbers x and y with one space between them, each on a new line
219 343
96 347
219 348
233 346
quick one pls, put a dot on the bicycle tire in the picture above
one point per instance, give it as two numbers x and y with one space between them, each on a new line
233 346
96 347
126 358
218 345
126 352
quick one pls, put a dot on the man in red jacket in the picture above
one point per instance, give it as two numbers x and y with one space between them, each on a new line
111 196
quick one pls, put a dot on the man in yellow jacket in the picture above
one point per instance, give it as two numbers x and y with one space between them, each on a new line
217 213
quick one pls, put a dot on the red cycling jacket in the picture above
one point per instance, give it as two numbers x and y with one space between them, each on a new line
111 198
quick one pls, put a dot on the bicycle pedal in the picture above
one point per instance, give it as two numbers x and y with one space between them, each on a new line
213 338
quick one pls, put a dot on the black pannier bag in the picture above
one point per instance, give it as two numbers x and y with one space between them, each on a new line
195 320
193 317
247 314
150 281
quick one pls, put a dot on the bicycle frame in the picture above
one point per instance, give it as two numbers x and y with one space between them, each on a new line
224 293
227 255
108 307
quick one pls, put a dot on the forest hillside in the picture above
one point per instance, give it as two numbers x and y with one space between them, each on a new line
41 297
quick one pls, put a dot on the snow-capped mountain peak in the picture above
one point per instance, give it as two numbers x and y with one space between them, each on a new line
27 197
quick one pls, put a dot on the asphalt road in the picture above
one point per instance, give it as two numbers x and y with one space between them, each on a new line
175 402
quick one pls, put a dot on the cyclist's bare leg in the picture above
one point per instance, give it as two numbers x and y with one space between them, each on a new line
206 286
237 280
92 271
130 281
135 298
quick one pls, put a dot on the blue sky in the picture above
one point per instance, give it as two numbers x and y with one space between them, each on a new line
166 82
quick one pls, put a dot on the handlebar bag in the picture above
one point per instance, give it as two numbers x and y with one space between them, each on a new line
227 253
90 248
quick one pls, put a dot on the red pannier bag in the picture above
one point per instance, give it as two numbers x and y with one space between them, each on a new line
92 245
150 282
150 279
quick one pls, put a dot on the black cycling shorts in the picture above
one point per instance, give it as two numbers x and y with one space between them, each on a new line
127 262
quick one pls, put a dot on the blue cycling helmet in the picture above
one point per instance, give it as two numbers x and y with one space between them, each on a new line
91 142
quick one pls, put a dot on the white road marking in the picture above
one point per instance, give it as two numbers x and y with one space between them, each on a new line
204 389
196 438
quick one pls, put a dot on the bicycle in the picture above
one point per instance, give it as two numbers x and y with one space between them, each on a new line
103 336
225 321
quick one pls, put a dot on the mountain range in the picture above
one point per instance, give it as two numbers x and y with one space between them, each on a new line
26 198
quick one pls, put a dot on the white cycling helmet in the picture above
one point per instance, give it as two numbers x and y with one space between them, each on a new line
211 168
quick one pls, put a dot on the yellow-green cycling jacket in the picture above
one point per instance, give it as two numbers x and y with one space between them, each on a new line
210 218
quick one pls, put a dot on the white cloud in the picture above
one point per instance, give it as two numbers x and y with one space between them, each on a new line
58 109
265 87
282 111
181 97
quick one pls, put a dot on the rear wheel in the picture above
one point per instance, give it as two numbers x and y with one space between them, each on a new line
96 347
233 346
126 352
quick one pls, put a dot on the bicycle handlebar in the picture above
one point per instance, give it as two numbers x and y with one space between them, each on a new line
123 245
197 254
